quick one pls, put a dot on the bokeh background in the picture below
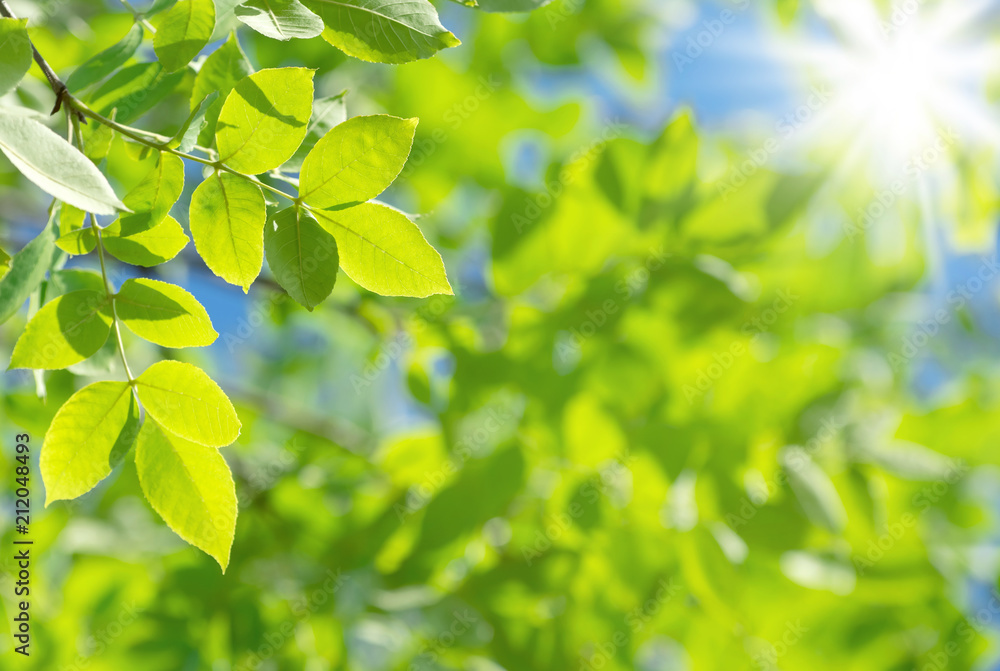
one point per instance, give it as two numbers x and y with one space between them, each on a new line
699 402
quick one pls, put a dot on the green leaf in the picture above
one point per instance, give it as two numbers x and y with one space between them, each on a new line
70 218
191 487
327 114
152 198
280 19
186 137
68 280
56 166
4 263
511 5
302 255
182 32
95 425
27 270
356 161
186 402
264 119
814 490
106 62
158 6
383 31
220 73
15 53
140 246
134 90
385 252
78 242
227 220
65 331
164 314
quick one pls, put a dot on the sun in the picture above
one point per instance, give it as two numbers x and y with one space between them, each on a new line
903 80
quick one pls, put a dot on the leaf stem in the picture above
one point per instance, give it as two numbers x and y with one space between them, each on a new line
161 144
111 295
139 16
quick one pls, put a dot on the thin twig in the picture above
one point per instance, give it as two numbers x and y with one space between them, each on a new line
58 87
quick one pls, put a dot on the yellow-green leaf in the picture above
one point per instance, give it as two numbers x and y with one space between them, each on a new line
65 331
185 401
227 223
191 487
15 52
96 425
132 243
182 32
356 161
385 252
264 119
80 241
164 314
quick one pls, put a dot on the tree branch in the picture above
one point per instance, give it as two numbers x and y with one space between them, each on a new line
58 87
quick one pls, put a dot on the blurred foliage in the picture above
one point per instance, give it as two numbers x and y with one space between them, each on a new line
586 458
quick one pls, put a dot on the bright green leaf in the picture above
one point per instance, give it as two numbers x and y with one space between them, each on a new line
68 280
220 73
302 256
186 137
65 331
356 161
152 198
186 402
385 252
280 19
164 314
27 270
106 62
140 246
182 32
227 220
80 241
264 119
191 487
97 423
56 166
814 490
383 31
134 90
327 114
15 52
